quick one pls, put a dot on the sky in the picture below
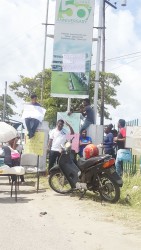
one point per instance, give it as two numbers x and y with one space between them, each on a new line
22 44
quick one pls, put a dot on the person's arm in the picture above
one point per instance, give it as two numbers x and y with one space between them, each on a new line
109 141
14 146
82 110
71 129
85 143
51 137
116 139
49 145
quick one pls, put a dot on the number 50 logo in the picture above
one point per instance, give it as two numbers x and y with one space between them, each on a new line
78 10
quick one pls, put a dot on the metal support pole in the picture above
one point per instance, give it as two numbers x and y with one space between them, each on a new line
98 59
69 104
44 57
4 102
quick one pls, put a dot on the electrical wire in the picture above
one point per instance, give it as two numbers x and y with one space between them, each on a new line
126 63
123 56
126 56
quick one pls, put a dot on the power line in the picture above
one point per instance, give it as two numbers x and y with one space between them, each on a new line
126 56
127 63
120 57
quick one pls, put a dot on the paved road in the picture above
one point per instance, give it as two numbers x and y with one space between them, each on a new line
70 223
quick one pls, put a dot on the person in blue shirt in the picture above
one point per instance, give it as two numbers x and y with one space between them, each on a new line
84 140
108 140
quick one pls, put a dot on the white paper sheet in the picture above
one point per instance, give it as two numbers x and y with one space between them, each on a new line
74 63
32 111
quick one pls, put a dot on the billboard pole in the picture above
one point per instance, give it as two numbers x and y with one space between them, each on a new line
69 104
44 56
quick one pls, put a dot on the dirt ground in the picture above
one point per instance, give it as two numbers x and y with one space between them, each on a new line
67 223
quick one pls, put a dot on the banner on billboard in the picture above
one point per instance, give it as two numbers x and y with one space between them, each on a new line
72 49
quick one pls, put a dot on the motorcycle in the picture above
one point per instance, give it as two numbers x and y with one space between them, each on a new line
95 174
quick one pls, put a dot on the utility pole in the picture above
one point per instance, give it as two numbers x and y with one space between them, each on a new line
4 102
101 32
103 66
103 60
98 58
44 55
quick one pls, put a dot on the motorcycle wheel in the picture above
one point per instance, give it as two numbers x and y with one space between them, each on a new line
109 190
59 183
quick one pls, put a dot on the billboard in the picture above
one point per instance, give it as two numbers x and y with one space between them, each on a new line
72 49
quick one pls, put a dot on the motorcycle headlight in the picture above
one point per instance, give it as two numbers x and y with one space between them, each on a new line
68 145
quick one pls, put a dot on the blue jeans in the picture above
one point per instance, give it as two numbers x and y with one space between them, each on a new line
31 125
119 167
85 125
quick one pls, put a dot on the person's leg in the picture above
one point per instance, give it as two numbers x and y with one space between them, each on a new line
28 125
118 165
34 125
53 156
85 125
22 178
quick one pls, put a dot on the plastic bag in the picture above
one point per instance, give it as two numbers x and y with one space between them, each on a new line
15 155
124 155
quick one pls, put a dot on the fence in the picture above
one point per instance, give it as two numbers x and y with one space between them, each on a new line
130 168
134 122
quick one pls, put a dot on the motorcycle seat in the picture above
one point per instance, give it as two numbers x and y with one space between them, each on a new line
84 164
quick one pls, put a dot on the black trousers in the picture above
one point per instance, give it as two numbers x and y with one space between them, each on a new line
31 125
53 158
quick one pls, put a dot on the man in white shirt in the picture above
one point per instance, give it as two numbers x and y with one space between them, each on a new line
57 137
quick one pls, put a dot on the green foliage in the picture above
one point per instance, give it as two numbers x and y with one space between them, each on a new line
26 86
131 191
9 103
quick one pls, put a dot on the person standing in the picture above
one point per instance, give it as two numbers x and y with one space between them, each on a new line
108 140
57 137
32 123
83 141
120 140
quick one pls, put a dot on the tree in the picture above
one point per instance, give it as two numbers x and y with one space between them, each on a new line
26 86
9 103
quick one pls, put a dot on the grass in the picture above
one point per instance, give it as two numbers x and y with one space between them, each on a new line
127 209
131 191
60 84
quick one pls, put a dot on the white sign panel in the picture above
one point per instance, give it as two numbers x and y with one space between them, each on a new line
133 138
